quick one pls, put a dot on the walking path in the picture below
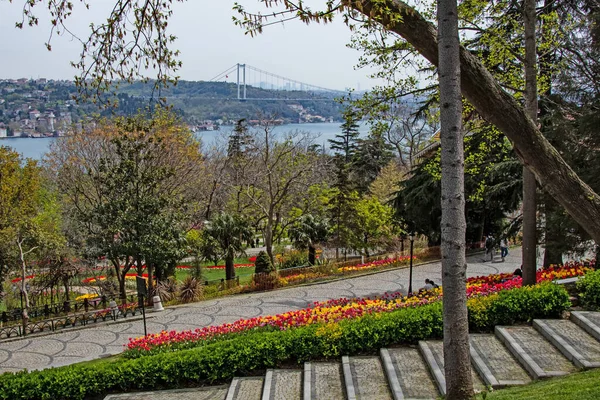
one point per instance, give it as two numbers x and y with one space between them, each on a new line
70 347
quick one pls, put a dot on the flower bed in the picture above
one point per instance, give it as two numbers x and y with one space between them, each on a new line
88 296
19 279
302 277
336 310
378 264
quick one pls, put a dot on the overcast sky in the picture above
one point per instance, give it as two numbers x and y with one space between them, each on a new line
207 38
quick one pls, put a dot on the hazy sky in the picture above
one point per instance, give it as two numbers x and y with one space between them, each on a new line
207 38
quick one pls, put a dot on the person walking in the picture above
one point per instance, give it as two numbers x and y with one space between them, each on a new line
503 248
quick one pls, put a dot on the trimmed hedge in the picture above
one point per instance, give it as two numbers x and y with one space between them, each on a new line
245 354
589 290
545 300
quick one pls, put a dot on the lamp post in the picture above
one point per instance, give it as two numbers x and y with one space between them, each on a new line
412 239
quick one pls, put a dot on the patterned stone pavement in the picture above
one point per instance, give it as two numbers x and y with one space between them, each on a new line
99 341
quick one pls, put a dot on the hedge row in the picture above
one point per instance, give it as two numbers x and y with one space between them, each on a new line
589 290
244 354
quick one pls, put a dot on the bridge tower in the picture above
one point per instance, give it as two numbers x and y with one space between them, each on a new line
243 68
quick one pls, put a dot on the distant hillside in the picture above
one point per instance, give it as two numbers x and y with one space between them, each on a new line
46 107
218 101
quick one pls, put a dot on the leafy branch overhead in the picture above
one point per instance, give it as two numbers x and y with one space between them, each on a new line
132 43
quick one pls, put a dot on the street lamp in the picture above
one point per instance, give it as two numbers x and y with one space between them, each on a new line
412 239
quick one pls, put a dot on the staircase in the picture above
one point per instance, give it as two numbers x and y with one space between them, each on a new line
513 355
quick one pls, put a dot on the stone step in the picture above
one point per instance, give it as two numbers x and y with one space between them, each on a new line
433 353
538 356
494 363
248 388
572 341
589 321
365 379
205 393
323 381
407 374
282 384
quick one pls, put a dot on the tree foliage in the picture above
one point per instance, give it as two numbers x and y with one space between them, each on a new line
129 188
229 232
307 232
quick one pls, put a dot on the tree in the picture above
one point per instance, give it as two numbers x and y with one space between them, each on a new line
457 358
27 223
280 172
345 143
237 163
493 187
373 153
529 183
230 232
308 232
371 225
263 264
201 246
387 182
128 185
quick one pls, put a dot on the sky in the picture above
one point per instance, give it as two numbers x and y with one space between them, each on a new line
207 38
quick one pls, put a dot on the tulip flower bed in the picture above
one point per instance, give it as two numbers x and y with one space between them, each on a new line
333 311
19 279
378 264
131 276
298 278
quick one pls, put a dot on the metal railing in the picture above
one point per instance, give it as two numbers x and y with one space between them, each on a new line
70 321
60 309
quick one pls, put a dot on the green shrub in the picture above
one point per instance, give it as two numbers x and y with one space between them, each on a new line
240 354
190 290
589 290
263 264
546 300
292 259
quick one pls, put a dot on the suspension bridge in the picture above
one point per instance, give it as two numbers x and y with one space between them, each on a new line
244 75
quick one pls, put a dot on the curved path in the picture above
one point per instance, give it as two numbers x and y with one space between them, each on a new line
98 341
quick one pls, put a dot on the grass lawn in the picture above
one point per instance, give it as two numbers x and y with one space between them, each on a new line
245 274
578 386
208 274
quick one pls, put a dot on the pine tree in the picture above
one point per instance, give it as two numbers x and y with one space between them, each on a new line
238 140
345 144
263 264
372 154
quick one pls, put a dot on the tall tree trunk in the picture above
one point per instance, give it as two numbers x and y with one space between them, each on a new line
529 251
269 238
24 294
159 274
311 254
121 277
122 291
457 358
499 108
553 236
66 285
150 269
229 267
